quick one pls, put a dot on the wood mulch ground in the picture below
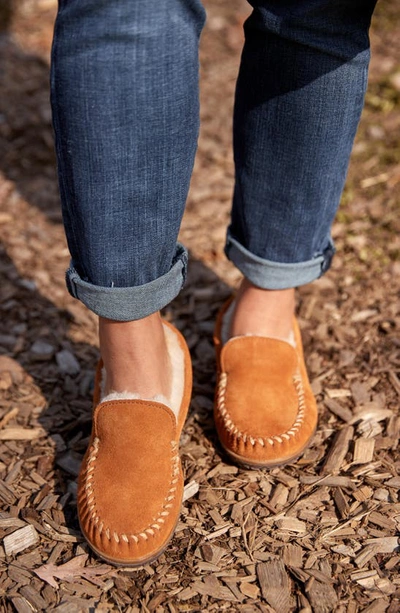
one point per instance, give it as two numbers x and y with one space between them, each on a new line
319 535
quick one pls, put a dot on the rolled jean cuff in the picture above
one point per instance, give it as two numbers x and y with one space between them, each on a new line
277 275
130 303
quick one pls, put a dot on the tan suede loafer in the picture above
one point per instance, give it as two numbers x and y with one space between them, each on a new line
131 484
265 412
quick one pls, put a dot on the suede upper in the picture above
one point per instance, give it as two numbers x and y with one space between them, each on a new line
265 412
268 368
131 483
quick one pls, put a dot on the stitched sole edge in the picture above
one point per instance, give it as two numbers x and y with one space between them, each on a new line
141 561
247 463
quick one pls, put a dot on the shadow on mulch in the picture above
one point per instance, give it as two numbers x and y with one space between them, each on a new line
6 12
66 413
26 136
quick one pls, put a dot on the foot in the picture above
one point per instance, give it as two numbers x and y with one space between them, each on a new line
130 484
265 412
262 312
135 356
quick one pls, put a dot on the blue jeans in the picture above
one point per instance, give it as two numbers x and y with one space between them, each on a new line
125 109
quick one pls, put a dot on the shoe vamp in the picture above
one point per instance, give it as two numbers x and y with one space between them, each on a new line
134 465
261 396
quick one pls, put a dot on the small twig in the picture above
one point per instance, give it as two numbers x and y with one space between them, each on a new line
395 381
12 413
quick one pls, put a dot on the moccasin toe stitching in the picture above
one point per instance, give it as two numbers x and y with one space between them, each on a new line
265 412
254 446
122 544
131 482
256 441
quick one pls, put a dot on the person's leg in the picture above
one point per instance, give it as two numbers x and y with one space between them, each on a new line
299 97
125 108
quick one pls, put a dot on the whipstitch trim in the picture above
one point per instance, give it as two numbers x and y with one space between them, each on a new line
268 440
160 518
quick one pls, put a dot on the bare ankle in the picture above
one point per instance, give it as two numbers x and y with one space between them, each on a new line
263 312
135 356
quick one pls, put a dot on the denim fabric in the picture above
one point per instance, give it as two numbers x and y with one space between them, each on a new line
125 109
128 303
298 102
277 275
124 89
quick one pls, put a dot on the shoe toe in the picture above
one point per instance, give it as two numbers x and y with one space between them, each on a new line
265 412
130 485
